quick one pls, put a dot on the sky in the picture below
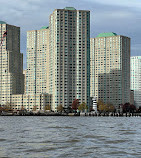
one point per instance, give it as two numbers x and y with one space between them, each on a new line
120 16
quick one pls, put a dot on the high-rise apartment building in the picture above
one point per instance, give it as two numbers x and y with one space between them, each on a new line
24 73
36 73
11 63
135 73
36 96
69 56
110 68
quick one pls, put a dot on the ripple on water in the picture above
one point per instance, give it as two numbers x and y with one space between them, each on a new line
118 153
116 141
59 127
2 140
1 130
70 137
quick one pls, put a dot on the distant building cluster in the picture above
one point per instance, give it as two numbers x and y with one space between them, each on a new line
64 64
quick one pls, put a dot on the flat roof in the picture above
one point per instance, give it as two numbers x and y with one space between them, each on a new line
106 34
2 22
69 8
44 27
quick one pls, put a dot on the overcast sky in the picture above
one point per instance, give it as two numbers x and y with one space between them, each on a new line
120 16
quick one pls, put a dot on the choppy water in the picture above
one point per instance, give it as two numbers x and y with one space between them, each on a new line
70 137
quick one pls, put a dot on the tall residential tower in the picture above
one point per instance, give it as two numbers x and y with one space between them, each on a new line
135 68
110 68
11 67
69 56
36 73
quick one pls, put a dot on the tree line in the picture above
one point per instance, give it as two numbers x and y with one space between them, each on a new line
76 106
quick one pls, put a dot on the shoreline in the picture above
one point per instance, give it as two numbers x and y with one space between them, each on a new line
79 114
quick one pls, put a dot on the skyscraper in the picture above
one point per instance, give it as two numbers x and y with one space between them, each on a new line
135 72
24 73
11 67
36 73
110 68
69 56
36 97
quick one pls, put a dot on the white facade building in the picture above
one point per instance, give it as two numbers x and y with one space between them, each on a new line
69 56
135 68
11 63
110 68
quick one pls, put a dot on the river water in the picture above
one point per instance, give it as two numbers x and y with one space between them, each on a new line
69 137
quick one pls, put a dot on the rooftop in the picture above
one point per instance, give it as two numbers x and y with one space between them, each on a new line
135 57
69 8
2 22
108 34
44 27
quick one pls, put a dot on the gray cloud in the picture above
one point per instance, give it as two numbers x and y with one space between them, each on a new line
122 17
120 3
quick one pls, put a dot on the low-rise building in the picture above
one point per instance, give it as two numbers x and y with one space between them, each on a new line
30 102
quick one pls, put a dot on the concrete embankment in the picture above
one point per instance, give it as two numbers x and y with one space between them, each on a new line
76 114
111 114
